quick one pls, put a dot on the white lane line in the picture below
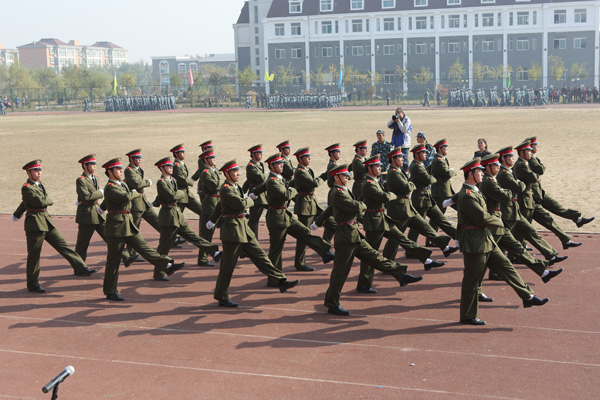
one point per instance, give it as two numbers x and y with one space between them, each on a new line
218 371
319 342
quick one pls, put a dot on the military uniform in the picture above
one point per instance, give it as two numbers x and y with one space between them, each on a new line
256 179
201 167
180 174
288 167
331 163
211 184
358 170
39 227
441 171
350 243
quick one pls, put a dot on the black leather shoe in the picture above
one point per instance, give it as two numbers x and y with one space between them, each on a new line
485 299
285 285
571 244
558 259
227 303
536 301
162 279
551 274
114 296
367 290
305 268
139 259
585 221
494 277
86 272
450 251
205 264
408 278
472 321
217 256
528 248
130 261
176 246
329 256
180 240
271 284
174 268
434 264
338 311
37 289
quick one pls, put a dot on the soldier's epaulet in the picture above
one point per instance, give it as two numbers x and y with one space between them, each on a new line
395 169
339 190
490 178
468 191
272 178
226 185
81 177
110 183
250 163
206 170
26 184
160 179
128 167
368 180
176 163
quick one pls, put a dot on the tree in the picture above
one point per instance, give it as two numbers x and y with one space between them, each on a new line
557 68
284 75
175 79
317 78
127 80
535 72
506 72
478 71
422 77
579 71
245 78
216 77
456 72
401 76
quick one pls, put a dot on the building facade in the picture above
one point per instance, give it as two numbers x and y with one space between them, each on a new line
459 43
54 53
164 67
8 56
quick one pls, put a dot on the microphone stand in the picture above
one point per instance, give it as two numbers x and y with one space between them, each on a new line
55 391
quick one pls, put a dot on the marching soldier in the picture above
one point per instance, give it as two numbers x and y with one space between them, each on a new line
256 178
201 167
170 218
358 168
180 174
210 182
441 171
288 168
88 211
378 225
480 250
281 222
349 243
334 152
401 209
237 236
120 230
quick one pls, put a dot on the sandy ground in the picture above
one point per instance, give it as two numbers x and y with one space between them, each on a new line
61 139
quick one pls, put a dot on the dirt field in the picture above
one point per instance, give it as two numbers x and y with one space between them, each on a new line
61 139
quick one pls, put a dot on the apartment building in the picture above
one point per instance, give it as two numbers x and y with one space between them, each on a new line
8 56
164 66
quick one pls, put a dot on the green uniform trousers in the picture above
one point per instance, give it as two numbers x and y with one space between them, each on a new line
115 249
206 234
344 256
149 216
523 229
168 235
513 247
475 267
556 208
438 201
419 225
436 217
543 217
193 205
254 217
35 240
84 236
374 238
231 253
329 230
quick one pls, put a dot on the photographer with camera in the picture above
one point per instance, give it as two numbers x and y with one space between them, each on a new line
402 127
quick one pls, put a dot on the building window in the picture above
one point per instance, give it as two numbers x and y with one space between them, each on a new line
357 51
193 67
296 52
535 18
279 29
487 19
510 18
465 20
388 24
453 2
443 22
357 25
453 47
337 30
326 27
257 60
579 43
389 79
488 1
181 68
476 17
410 23
580 15
499 19
297 81
420 22
295 7
454 21
51 60
256 52
522 75
560 43
389 49
420 3
523 18
420 48
487 45
255 14
279 54
388 3
357 4
326 5
522 44
256 40
164 67
296 29
327 52
399 23
560 16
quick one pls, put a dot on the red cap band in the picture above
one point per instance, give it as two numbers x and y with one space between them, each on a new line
395 153
375 161
115 164
438 145
177 149
136 154
334 148
206 155
472 166
303 153
338 171
232 166
492 160
277 159
34 166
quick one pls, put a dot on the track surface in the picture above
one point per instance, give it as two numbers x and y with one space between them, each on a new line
171 340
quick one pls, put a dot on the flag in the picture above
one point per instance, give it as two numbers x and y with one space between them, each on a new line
191 79
115 85
269 77
508 81
341 76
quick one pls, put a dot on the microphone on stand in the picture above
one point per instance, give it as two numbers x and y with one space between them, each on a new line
58 379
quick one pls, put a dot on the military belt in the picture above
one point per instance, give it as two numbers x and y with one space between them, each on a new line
277 208
36 210
403 197
528 187
306 193
491 210
233 215
472 227
213 195
375 210
88 202
353 222
119 212
514 199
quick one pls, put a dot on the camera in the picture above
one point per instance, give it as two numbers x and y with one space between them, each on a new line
395 117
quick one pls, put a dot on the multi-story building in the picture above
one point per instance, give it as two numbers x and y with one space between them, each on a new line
163 67
8 56
54 53
474 43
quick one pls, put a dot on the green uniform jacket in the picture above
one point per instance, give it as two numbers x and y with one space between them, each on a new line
35 198
510 210
256 180
330 165
233 205
198 176
87 196
375 197
440 170
537 167
210 183
421 197
180 174
346 209
397 182
117 200
523 173
288 169
306 184
358 174
168 195
472 212
495 197
278 197
134 178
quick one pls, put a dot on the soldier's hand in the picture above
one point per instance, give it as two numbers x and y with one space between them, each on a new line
149 182
313 226
101 191
14 219
447 203
99 211
252 196
76 202
210 225
134 190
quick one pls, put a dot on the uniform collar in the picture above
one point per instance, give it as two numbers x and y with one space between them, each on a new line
117 182
475 188
341 187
